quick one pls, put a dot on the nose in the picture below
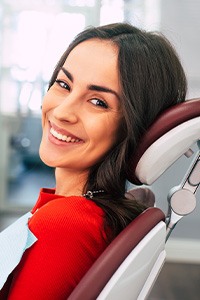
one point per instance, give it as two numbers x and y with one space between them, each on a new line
68 109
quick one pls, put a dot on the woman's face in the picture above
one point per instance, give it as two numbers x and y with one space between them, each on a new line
81 111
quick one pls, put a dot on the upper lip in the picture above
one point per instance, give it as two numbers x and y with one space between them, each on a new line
63 131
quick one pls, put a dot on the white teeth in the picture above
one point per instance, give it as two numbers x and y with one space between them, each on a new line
64 138
68 139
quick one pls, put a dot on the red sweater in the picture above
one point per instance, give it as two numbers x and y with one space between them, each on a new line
70 238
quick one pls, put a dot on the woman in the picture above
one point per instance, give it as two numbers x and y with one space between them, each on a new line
106 90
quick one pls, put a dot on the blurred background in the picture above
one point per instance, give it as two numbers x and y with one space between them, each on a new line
33 35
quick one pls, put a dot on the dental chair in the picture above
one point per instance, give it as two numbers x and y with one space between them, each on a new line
129 266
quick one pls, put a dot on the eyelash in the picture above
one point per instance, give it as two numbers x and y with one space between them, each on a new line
101 103
62 84
65 86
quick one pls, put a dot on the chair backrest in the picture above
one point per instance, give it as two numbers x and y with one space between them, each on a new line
92 284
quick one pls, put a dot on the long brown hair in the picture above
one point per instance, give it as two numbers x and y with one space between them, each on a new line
152 79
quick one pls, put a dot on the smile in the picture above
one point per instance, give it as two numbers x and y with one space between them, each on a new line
64 138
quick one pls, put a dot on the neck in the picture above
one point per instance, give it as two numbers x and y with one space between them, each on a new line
69 182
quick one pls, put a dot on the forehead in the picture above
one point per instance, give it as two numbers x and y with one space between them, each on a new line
95 58
97 46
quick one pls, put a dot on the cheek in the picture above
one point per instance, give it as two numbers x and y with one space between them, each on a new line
104 131
45 108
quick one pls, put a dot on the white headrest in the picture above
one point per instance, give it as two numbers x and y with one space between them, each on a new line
166 150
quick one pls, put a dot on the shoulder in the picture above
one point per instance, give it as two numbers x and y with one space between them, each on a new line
69 215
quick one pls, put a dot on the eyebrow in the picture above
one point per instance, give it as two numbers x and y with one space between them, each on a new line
99 88
92 87
67 73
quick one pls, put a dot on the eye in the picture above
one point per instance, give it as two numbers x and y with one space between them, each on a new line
99 102
63 84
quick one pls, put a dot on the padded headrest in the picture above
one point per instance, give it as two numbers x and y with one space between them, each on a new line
169 137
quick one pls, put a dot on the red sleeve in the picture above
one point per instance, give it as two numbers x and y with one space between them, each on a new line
70 238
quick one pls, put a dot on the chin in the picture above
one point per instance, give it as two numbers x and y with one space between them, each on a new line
45 158
47 162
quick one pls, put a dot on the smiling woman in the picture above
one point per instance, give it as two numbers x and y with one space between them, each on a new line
106 90
82 102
